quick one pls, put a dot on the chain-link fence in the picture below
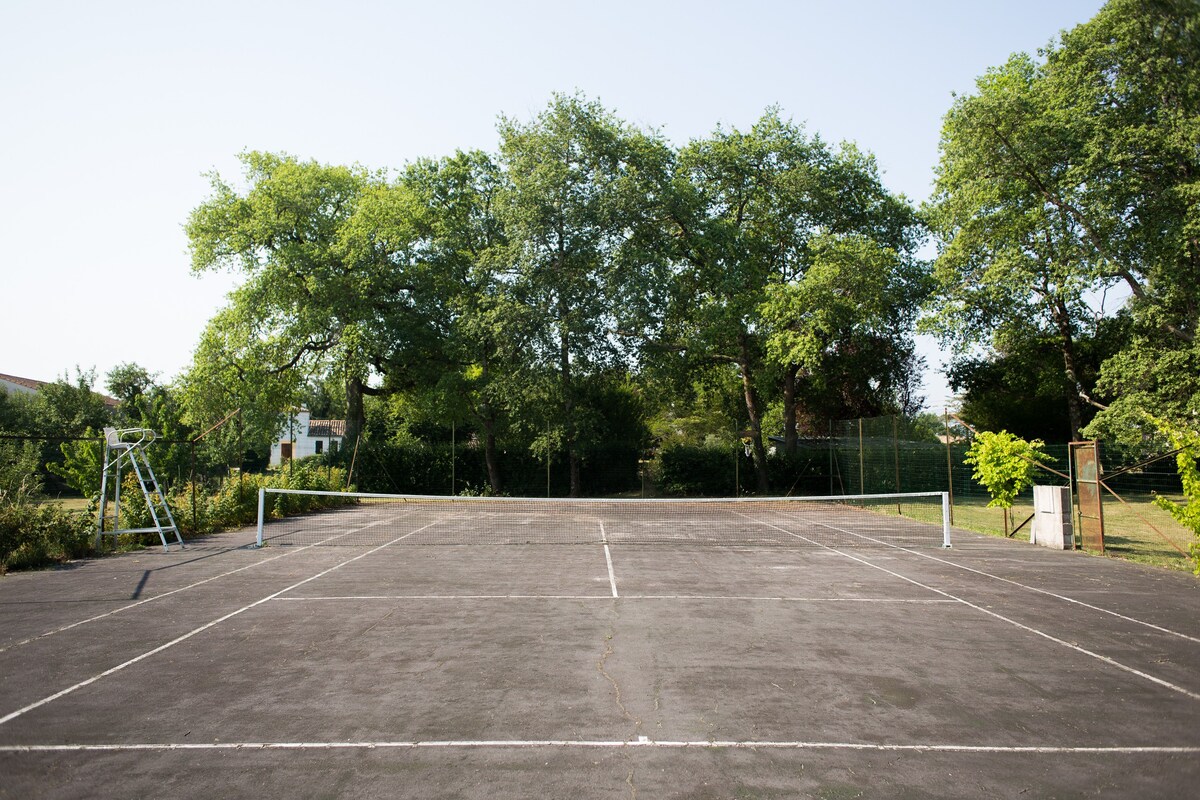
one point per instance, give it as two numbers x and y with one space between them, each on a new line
860 456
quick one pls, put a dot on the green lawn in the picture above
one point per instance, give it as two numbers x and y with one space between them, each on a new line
71 503
1127 529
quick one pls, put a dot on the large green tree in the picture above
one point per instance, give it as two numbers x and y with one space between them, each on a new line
1014 265
309 303
572 202
440 216
1063 178
748 215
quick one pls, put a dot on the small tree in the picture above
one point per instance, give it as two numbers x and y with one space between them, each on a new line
1188 512
1005 465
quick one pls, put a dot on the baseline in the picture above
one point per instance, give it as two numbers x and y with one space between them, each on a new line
641 741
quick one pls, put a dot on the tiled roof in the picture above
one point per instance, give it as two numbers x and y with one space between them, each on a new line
326 427
30 383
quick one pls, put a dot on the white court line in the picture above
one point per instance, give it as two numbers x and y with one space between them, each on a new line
1110 661
180 589
612 578
13 715
751 598
522 744
1055 595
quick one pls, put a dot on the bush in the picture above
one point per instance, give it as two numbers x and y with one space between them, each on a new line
234 503
691 470
1187 513
35 533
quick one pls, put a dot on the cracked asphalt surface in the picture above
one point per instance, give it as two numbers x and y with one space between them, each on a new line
992 669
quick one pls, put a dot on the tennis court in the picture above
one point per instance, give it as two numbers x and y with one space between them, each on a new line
609 650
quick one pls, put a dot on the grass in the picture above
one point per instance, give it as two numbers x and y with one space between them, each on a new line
70 503
1127 528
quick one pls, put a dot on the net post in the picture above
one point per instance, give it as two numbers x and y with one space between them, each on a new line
261 495
945 519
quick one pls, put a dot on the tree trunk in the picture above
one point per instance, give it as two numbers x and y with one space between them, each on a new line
564 365
790 436
355 415
754 411
489 450
1067 344
487 416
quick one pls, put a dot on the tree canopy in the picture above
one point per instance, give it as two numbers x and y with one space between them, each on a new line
748 284
1062 178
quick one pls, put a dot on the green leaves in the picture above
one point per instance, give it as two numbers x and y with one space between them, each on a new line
1187 513
1004 464
1061 179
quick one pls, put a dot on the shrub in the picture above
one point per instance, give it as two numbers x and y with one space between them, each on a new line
1187 513
234 502
1005 465
691 470
35 533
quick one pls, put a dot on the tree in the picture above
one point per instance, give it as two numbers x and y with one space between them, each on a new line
747 215
1187 513
1066 177
69 408
571 202
1020 388
1013 265
129 381
456 233
233 371
310 303
845 327
1006 466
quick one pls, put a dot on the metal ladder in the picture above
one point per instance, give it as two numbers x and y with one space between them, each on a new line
127 447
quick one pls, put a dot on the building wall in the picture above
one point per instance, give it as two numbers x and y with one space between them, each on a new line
15 388
303 445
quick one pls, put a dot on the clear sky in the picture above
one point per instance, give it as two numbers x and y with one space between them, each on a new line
114 111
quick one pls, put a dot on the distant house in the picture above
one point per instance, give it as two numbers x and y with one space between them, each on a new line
301 435
14 385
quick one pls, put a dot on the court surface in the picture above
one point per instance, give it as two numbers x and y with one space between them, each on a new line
607 670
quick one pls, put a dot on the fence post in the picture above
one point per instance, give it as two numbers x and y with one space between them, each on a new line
737 469
830 458
896 448
195 523
862 476
949 464
241 457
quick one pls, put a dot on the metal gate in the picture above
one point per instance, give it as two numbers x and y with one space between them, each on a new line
1085 456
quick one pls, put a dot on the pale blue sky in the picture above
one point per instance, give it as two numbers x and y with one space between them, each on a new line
114 110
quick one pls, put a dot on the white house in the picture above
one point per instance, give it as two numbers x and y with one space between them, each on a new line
301 435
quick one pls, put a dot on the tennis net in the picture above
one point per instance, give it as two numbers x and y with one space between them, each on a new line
361 519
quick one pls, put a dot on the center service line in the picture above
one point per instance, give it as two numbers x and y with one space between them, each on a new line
612 577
